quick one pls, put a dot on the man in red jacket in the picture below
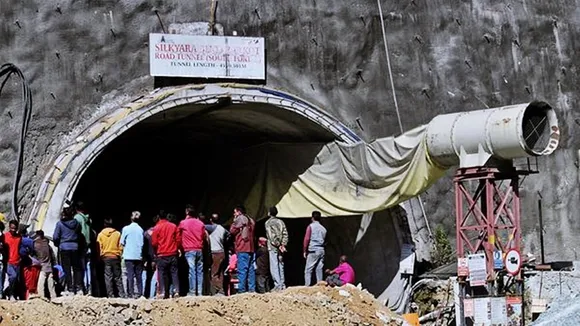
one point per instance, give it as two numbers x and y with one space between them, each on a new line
193 237
12 241
166 242
243 230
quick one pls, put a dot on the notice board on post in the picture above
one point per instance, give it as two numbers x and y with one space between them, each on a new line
477 269
194 56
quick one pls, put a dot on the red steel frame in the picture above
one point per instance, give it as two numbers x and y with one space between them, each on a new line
492 210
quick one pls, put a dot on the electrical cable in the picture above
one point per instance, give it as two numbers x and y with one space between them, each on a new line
8 70
397 104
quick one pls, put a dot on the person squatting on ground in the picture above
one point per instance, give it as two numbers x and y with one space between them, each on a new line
45 256
341 275
193 238
166 241
262 267
12 241
110 250
314 241
132 243
218 237
243 230
68 237
277 241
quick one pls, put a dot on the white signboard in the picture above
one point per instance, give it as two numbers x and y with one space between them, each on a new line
482 312
498 311
489 311
477 269
172 55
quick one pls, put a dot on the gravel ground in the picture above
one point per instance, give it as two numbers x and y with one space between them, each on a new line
295 306
563 311
562 291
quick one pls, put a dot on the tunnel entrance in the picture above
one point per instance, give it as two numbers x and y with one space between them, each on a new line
214 146
249 141
212 156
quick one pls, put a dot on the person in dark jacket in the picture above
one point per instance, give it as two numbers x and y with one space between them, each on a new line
150 272
45 256
243 230
262 267
67 237
29 266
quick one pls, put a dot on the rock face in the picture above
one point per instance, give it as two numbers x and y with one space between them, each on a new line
83 57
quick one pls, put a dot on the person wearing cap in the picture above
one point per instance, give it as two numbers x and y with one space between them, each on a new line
132 242
262 266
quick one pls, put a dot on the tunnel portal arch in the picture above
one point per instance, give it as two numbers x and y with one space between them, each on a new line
72 160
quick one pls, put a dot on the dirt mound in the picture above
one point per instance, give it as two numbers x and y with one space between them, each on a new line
294 306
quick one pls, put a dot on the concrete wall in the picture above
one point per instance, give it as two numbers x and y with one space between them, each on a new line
447 55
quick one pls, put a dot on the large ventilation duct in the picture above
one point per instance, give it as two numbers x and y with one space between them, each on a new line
471 138
352 179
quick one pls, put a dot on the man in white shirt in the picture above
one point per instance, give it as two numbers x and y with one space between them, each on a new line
217 239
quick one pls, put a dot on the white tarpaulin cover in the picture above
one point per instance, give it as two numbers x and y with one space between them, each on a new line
355 179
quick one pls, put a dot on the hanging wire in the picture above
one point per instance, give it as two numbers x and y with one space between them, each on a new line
396 102
8 70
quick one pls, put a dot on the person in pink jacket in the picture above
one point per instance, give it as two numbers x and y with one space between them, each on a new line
342 274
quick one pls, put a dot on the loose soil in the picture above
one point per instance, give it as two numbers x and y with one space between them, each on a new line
316 305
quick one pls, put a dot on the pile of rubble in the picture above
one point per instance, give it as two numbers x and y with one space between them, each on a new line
295 306
561 290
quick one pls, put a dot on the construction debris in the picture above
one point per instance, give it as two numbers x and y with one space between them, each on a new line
295 306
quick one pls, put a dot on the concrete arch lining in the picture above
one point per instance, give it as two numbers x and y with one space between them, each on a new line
74 159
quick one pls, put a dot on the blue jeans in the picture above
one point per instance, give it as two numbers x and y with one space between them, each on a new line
134 270
13 273
246 272
87 267
195 262
277 269
153 285
314 261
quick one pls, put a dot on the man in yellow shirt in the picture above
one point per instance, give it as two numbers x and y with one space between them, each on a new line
111 250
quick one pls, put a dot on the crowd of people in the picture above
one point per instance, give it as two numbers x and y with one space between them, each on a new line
148 263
